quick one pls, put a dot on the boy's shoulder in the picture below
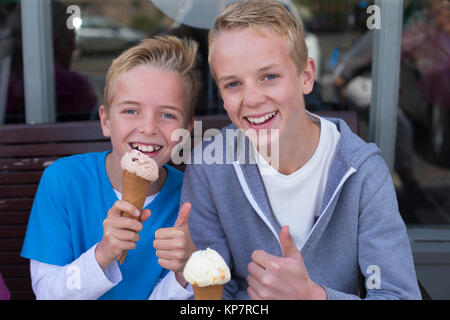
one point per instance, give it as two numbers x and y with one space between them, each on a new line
78 162
174 175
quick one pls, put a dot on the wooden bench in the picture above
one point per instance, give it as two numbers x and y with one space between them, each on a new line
25 151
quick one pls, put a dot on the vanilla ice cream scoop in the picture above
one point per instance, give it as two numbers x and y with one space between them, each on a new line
137 163
206 268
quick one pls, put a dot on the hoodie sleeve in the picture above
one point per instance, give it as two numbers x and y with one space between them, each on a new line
204 222
384 251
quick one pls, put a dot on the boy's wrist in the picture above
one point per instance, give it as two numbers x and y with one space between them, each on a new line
316 292
180 278
101 260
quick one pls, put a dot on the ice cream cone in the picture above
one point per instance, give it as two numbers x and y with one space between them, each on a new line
134 191
207 272
213 292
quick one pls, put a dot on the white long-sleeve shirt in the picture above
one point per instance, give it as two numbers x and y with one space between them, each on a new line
83 279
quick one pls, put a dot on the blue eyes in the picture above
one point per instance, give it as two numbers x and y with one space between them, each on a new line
270 77
130 111
135 112
167 116
234 84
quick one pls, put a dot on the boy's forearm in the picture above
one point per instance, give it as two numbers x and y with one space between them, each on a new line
82 279
170 289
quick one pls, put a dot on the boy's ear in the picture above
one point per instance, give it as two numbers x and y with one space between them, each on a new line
190 125
104 121
308 75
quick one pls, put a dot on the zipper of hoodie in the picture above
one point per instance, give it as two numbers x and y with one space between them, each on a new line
339 186
258 210
254 204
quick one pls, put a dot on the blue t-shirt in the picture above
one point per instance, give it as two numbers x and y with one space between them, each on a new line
66 220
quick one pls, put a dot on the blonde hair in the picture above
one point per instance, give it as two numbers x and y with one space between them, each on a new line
165 53
267 15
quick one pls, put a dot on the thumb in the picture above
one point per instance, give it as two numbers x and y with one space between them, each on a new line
288 244
183 215
145 215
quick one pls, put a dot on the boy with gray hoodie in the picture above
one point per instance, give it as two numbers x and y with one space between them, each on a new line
307 220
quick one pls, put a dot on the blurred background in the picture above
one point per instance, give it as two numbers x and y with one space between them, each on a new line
340 42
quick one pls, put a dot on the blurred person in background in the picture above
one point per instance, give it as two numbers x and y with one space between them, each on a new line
75 97
426 50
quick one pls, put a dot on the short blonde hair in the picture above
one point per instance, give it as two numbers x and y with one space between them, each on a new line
267 15
165 53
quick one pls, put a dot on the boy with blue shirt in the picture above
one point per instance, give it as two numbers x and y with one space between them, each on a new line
76 232
305 224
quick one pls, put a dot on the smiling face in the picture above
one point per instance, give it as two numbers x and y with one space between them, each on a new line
147 106
259 83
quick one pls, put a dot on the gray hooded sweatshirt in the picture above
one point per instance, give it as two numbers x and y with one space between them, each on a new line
359 230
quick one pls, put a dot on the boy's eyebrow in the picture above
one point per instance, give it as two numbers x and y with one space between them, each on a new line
273 65
171 107
129 102
224 78
270 66
138 103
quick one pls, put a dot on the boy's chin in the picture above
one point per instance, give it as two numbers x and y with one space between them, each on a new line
265 139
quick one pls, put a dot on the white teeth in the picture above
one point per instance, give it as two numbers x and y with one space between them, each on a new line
262 119
143 148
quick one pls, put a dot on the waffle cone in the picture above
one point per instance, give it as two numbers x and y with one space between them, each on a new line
208 293
134 191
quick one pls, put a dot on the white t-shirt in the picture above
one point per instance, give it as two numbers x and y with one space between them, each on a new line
147 201
296 198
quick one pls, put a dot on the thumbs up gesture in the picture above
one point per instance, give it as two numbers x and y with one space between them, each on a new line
174 245
286 277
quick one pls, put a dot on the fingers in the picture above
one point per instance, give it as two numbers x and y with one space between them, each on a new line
254 287
123 206
183 215
261 275
121 244
126 235
172 253
252 294
173 265
121 229
260 282
115 220
174 245
120 232
122 223
266 260
265 275
255 270
145 214
168 233
287 243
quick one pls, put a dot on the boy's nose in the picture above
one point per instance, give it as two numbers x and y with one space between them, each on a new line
148 125
252 96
